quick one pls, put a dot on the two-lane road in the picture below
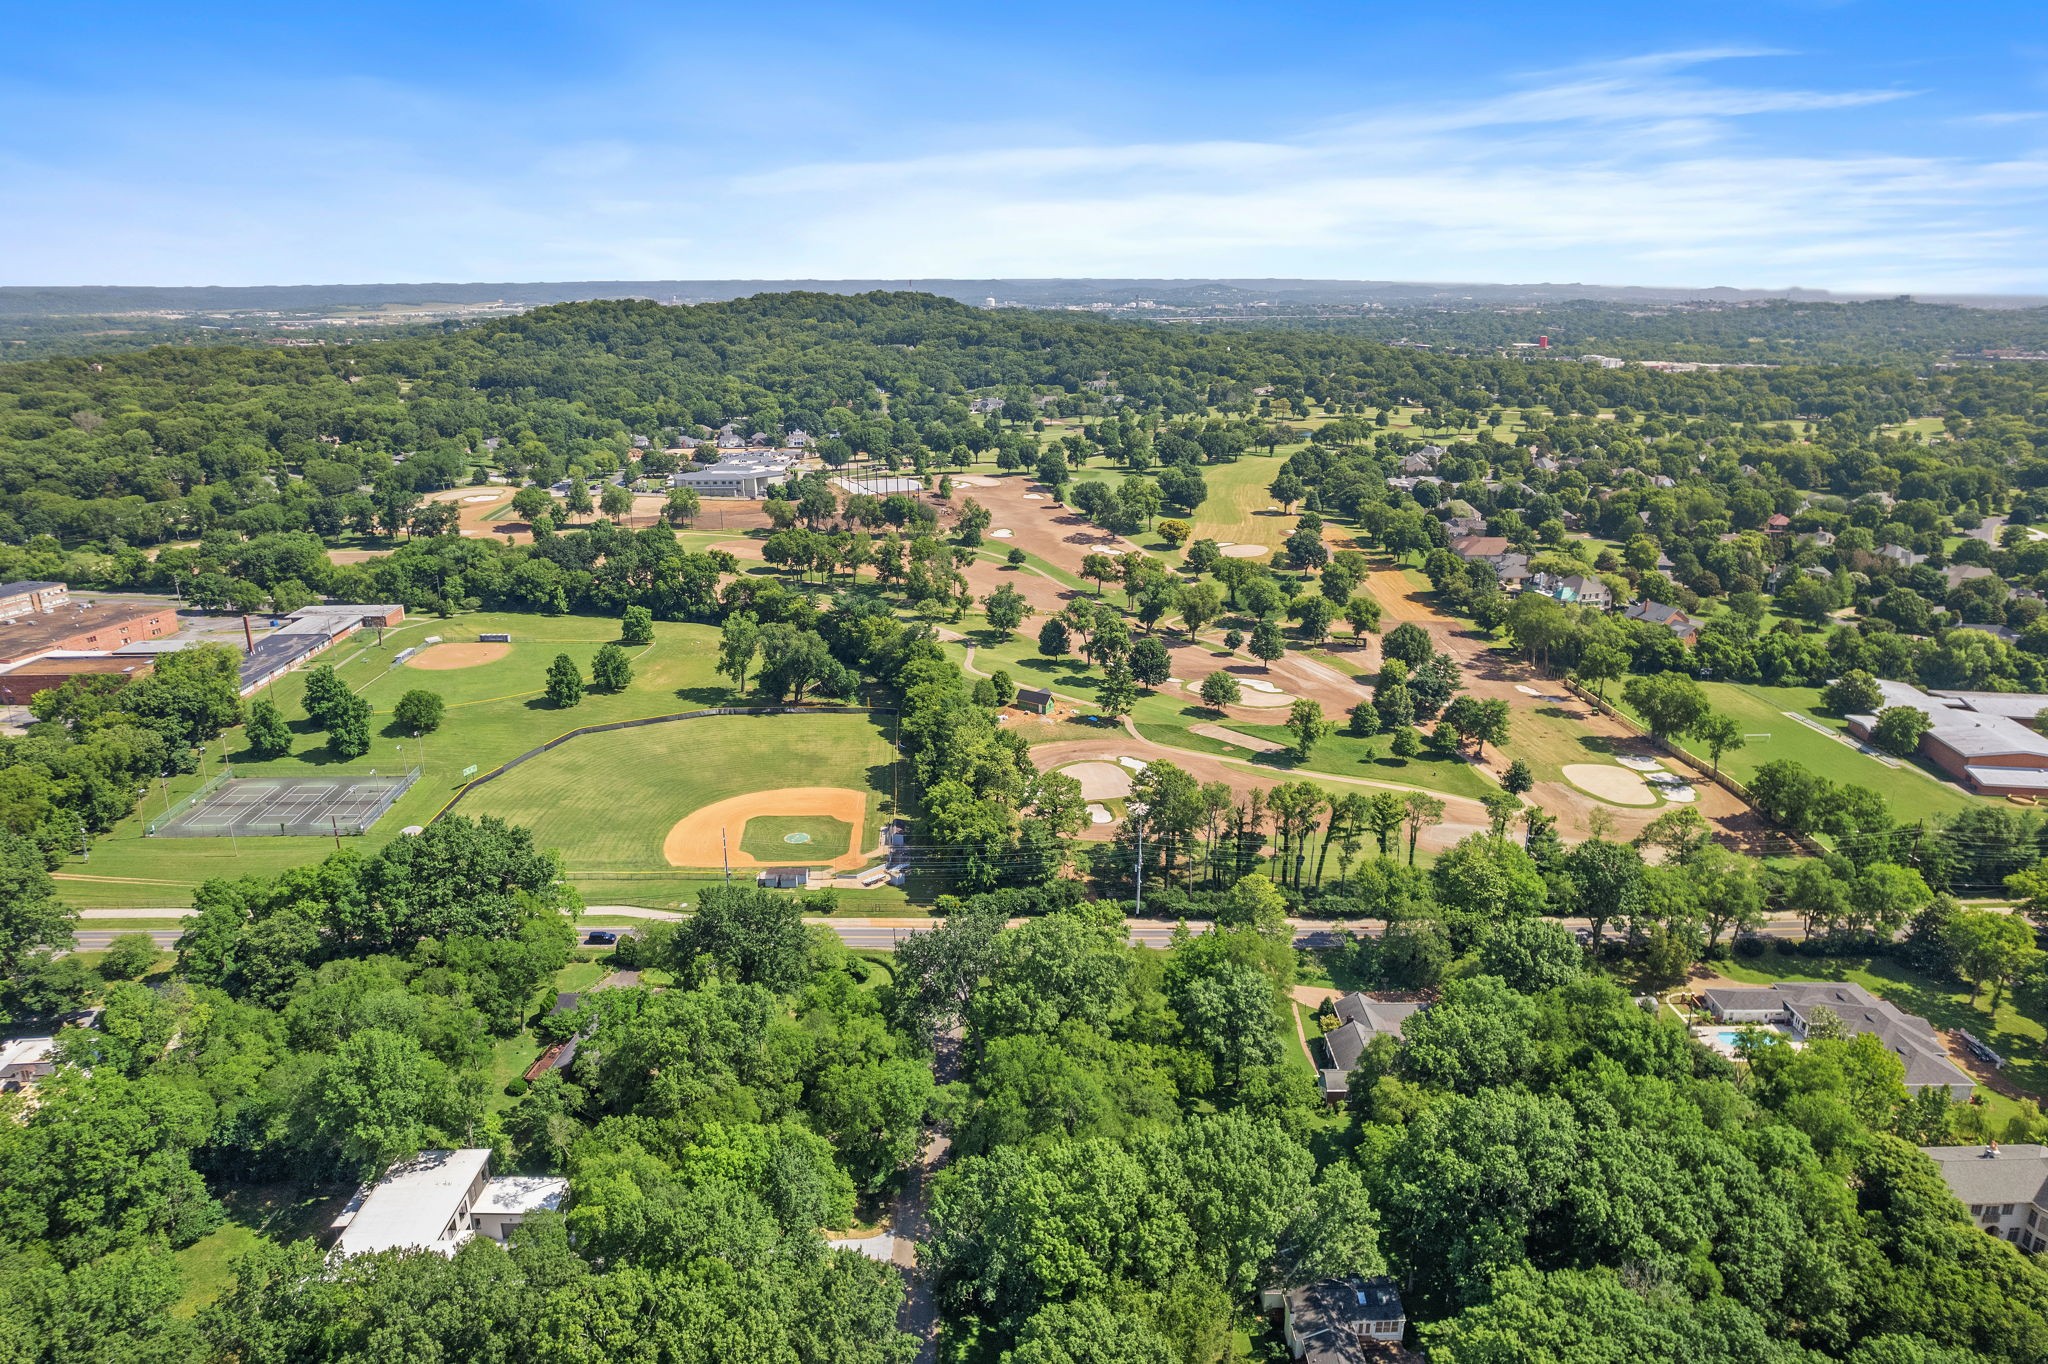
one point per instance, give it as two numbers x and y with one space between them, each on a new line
874 934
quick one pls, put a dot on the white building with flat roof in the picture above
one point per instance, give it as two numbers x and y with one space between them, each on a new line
510 1200
422 1204
748 475
440 1199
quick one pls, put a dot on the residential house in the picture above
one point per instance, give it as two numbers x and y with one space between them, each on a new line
2004 1187
440 1199
1779 524
1037 700
1981 739
1490 548
25 1060
1579 588
1955 575
507 1202
1670 617
1793 1003
1339 1321
1361 1018
1823 538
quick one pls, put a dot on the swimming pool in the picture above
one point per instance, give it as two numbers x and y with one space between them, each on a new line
1725 1040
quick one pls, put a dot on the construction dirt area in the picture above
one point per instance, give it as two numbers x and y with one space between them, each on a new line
710 836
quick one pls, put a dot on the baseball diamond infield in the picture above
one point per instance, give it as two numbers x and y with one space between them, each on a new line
441 658
706 836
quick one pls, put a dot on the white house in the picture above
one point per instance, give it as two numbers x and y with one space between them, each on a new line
749 476
1791 1003
440 1199
25 1060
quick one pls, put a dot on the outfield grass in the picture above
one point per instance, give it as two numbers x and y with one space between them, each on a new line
608 800
766 838
1910 789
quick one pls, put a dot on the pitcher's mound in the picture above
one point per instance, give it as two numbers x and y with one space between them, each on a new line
695 841
442 658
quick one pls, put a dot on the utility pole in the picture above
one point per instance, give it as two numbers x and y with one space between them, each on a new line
724 853
1139 809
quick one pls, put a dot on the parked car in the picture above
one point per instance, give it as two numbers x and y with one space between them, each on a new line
601 937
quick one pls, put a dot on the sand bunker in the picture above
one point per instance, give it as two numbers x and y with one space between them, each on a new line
695 840
1231 736
1616 785
1034 497
1100 780
1640 764
446 658
1673 787
966 481
1098 815
1003 534
1245 551
484 497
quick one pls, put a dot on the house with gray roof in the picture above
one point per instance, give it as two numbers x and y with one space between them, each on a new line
1670 617
1792 1004
1361 1018
2004 1187
1340 1321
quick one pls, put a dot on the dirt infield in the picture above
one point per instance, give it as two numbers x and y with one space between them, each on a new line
446 658
1616 784
695 839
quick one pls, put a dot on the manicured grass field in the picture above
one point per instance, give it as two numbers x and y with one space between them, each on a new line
608 800
1238 509
1910 788
819 839
495 712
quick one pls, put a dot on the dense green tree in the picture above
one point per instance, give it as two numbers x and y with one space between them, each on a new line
564 683
419 711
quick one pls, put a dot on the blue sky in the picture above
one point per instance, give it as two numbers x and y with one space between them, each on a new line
1848 144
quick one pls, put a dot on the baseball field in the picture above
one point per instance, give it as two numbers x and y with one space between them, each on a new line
616 804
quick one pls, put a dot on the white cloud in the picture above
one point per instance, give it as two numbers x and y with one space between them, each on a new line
1640 170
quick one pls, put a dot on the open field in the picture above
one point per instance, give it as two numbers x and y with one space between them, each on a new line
610 801
495 712
1910 788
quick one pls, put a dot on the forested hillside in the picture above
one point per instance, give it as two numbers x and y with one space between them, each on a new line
170 442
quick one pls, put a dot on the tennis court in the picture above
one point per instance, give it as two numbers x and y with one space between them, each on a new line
257 807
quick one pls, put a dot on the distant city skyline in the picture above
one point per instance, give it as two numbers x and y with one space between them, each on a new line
1858 146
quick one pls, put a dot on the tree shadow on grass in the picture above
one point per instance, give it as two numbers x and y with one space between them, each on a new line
706 696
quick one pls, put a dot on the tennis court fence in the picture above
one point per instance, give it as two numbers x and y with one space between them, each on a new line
336 802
